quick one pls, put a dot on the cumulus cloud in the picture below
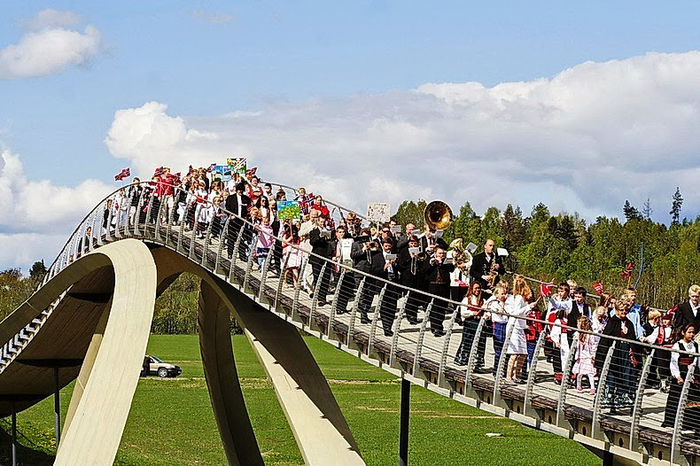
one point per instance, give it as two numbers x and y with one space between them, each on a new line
49 46
584 140
208 17
36 216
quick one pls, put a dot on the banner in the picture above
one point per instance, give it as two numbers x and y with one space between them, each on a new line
238 165
378 212
221 172
288 210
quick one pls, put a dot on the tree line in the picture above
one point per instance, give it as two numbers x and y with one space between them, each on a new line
559 247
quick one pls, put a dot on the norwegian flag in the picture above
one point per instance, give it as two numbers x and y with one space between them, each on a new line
176 179
211 167
190 170
628 271
546 289
251 172
125 173
598 287
158 172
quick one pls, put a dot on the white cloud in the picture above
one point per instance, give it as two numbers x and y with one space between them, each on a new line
585 140
211 18
49 47
50 19
37 217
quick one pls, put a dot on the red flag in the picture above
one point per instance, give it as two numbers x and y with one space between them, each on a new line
628 271
176 179
546 289
598 287
125 173
251 172
211 167
158 172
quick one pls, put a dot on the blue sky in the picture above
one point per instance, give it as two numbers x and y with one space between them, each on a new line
332 73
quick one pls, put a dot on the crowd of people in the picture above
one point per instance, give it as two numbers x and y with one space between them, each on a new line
417 265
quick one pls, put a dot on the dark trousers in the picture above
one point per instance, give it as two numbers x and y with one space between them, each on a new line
345 291
236 227
499 337
316 267
468 334
437 313
387 310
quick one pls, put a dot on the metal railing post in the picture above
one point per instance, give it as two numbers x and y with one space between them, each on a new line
421 338
676 455
639 397
596 430
528 410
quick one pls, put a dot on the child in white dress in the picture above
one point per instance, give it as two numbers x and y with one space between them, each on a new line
585 345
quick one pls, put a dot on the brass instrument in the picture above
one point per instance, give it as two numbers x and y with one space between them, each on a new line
459 252
493 272
437 215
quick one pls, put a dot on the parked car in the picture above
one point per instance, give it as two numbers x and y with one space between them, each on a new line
153 365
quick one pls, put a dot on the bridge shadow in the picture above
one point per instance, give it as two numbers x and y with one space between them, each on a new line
36 456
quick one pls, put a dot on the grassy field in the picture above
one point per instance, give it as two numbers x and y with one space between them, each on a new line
171 422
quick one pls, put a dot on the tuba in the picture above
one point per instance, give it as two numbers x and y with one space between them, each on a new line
437 215
459 252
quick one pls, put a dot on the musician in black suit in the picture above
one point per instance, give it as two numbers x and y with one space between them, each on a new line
429 241
238 204
364 255
385 267
320 240
578 308
689 311
481 266
412 268
438 279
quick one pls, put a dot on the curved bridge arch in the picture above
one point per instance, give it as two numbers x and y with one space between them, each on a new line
88 286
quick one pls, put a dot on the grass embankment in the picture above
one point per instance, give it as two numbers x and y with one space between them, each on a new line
171 421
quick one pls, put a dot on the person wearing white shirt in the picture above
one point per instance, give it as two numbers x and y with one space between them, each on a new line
516 305
496 308
680 363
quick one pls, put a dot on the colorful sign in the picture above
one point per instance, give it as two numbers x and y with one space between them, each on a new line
288 210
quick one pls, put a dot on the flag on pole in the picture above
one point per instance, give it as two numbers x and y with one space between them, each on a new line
546 289
158 172
251 172
598 287
627 273
125 173
211 167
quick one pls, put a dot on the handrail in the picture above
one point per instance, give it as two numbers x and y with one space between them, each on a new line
427 348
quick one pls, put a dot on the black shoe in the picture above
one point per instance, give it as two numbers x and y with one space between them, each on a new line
481 370
364 321
412 321
323 303
388 333
439 333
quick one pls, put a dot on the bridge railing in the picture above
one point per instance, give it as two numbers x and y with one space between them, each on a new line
418 334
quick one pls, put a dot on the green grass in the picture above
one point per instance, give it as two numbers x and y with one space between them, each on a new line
171 421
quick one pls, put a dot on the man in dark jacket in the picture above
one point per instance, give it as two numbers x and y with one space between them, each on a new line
438 279
689 311
320 240
412 268
238 205
482 265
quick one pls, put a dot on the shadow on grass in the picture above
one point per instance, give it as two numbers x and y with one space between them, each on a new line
25 455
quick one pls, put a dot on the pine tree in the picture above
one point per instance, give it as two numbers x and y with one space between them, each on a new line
647 210
676 207
631 212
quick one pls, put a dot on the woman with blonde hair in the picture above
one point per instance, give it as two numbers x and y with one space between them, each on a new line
517 307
